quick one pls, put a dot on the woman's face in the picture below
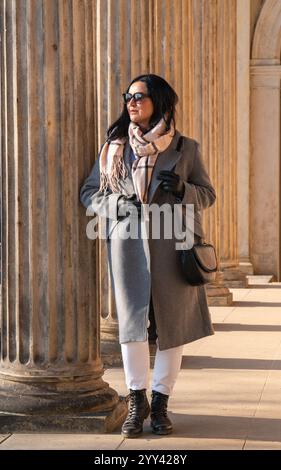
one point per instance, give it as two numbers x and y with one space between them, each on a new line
140 112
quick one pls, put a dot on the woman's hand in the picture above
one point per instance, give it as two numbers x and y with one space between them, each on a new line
171 182
128 205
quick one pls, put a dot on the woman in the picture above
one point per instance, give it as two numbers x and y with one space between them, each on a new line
143 161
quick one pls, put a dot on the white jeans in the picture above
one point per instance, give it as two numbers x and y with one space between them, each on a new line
136 367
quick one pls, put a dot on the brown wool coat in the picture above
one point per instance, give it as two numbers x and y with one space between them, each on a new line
140 268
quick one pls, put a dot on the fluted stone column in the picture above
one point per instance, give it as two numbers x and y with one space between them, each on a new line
227 142
50 370
227 193
209 116
265 178
243 135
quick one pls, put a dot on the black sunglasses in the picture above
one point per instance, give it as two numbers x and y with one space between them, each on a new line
136 96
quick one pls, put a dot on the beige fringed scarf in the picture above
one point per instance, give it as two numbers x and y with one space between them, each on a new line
146 148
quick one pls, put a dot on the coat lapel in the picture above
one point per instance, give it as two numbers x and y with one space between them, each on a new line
166 160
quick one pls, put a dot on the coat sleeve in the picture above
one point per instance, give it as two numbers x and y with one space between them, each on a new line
105 204
198 189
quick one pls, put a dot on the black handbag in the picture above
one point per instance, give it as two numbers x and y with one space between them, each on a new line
199 263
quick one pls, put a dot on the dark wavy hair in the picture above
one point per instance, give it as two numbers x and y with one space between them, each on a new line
164 100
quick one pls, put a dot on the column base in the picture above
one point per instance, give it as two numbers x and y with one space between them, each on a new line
233 277
111 354
82 422
110 346
55 395
246 267
236 276
219 297
217 293
257 280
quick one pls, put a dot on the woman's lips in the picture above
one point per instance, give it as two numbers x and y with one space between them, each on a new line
133 112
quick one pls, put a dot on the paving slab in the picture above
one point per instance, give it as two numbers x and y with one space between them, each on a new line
262 445
220 314
3 437
184 443
265 429
62 442
239 293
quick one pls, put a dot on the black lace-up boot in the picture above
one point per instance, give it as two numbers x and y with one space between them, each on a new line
138 411
160 422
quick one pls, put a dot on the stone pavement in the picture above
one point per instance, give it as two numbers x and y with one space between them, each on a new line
228 394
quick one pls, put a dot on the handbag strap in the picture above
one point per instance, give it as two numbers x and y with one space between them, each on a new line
178 148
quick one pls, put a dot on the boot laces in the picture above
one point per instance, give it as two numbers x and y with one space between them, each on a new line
136 402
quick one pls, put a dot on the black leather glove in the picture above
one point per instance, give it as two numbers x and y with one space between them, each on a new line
171 182
127 205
